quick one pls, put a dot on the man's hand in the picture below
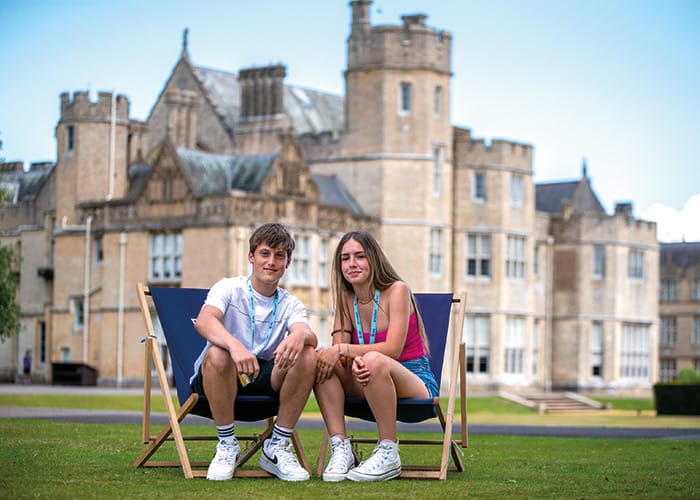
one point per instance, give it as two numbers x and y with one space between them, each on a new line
287 352
245 361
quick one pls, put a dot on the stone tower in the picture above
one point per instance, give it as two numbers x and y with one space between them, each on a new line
92 151
398 125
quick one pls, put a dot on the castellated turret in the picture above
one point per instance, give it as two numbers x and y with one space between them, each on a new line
397 84
92 141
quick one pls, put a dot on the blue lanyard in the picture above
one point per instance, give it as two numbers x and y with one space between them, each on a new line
251 310
358 323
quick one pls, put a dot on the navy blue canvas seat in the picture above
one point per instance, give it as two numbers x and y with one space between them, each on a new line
177 309
437 311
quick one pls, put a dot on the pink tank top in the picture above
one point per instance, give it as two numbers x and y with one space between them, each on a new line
412 349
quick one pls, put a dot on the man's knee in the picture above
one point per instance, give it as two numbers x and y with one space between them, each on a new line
216 360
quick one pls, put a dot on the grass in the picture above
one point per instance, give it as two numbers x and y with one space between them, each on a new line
57 460
42 459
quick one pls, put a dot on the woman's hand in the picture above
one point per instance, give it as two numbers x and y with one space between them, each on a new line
326 360
360 371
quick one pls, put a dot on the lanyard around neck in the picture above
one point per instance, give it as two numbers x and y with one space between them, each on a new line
251 311
358 322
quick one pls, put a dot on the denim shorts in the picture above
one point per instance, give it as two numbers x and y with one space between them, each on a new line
421 367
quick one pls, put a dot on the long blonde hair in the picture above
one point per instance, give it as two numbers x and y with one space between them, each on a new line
381 274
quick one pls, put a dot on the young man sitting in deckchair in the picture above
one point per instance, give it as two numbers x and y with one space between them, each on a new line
258 342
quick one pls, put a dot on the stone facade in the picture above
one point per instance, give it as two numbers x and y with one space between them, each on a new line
172 201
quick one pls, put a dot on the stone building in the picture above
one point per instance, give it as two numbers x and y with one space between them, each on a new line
172 200
679 330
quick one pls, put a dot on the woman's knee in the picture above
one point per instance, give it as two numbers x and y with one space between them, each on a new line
376 361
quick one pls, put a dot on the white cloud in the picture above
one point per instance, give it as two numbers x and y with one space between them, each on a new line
674 225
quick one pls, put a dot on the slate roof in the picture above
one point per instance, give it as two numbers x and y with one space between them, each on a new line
22 185
308 110
335 194
212 173
552 196
684 255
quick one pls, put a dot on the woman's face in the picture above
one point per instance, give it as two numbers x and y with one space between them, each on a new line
354 263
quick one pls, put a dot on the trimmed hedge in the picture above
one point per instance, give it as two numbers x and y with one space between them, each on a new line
677 399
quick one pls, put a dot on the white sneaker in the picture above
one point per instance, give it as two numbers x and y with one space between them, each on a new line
341 460
277 459
224 463
384 464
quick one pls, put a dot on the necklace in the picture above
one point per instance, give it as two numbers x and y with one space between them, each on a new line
365 301
358 322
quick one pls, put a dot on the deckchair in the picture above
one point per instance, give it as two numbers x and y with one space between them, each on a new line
177 309
436 310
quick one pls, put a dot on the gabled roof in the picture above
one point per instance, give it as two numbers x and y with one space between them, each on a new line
552 197
684 255
212 173
308 110
334 193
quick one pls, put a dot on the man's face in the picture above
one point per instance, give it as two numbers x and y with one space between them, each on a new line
269 263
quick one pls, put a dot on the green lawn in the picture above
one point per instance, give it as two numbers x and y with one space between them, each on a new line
44 459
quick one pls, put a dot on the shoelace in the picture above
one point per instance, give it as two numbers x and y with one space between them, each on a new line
375 461
284 454
227 455
338 456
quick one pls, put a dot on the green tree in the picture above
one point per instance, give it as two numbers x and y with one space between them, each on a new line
9 309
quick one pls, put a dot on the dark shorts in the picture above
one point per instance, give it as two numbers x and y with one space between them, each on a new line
262 385
421 367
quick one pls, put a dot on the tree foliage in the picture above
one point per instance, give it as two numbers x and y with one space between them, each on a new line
9 309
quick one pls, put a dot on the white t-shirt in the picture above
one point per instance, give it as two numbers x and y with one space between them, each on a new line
231 297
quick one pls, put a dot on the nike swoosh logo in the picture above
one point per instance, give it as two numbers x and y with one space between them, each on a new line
271 459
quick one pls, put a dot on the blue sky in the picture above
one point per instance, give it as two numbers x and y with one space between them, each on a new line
614 81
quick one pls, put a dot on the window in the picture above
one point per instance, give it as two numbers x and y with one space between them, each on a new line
695 292
696 364
323 263
514 345
437 103
669 331
479 255
598 261
166 257
301 261
70 137
635 264
634 352
597 349
79 312
696 330
535 347
435 264
437 169
669 290
42 343
515 258
405 98
477 340
667 370
516 190
65 354
536 261
99 250
479 186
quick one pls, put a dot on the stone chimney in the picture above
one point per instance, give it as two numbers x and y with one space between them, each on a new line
624 208
262 92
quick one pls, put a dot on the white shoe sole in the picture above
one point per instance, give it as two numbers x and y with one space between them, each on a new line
386 476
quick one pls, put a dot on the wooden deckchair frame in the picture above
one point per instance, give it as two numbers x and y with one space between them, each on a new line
450 446
172 431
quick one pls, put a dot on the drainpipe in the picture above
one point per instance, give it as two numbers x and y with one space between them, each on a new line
120 327
549 327
112 141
